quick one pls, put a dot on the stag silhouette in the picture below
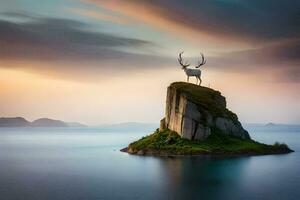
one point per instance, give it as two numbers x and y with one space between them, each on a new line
192 72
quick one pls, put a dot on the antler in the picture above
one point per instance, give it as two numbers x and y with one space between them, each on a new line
202 62
180 60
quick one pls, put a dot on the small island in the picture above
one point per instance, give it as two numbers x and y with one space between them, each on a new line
197 122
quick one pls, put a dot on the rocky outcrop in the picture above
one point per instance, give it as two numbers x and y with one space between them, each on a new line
195 112
200 115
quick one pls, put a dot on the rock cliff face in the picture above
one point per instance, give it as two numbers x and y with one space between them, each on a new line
195 112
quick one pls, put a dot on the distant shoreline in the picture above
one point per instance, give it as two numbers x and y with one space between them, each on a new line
14 122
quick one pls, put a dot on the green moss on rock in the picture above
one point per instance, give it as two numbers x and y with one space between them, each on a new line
168 142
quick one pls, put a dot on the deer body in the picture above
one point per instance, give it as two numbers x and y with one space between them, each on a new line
192 72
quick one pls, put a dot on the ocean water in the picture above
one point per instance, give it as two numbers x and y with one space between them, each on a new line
86 164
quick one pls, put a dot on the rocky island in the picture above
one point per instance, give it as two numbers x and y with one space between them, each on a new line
197 122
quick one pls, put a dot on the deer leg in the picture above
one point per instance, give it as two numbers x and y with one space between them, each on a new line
200 81
188 78
196 80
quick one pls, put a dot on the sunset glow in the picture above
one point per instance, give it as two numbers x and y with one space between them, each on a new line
97 61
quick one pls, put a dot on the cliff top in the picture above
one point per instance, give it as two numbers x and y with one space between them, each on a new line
195 90
209 99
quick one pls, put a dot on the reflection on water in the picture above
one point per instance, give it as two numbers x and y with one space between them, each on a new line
191 177
87 164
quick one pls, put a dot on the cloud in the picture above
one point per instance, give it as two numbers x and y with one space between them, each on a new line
68 45
271 55
19 15
64 47
292 76
100 15
271 28
249 20
48 38
280 62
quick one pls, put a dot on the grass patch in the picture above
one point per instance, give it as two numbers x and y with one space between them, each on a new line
167 142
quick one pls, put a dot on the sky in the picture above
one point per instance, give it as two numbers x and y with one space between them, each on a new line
100 61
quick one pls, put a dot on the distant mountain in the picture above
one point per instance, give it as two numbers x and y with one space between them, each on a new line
272 127
42 122
13 122
75 124
46 122
271 124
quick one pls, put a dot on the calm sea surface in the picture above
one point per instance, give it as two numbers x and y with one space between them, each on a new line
86 164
